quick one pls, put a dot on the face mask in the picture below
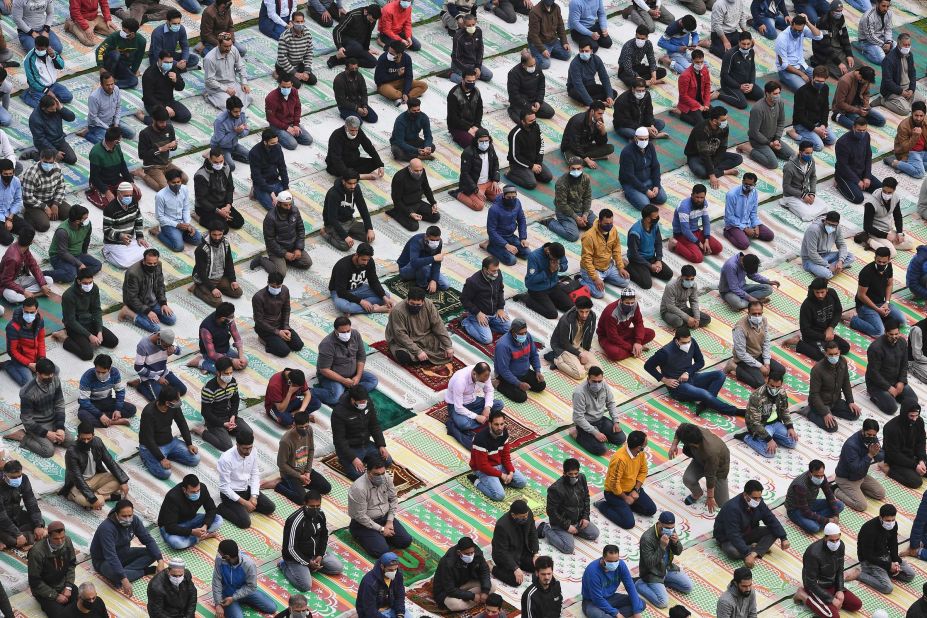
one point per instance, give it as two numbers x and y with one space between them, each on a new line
508 202
572 480
302 432
286 92
85 223
745 52
47 167
833 545
669 531
747 188
869 440
888 525
434 244
86 287
585 55
414 309
467 558
298 28
483 146
611 566
224 378
218 166
125 523
29 318
102 377
830 229
390 574
470 29
41 53
123 34
639 95
273 291
405 3
596 387
174 27
175 189
467 85
886 197
723 124
531 69
390 57
773 391
688 283
576 173
521 338
6 179
84 446
214 242
491 276
833 360
14 482
819 85
838 14
193 497
881 267
627 308
817 480
642 143
125 200
376 481
795 33
904 50
640 42
753 503
806 158
606 227
755 320
698 66
685 347
344 336
176 579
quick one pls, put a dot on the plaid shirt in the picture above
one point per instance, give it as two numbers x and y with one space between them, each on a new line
40 188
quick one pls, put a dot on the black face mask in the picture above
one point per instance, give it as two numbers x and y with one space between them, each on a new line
6 179
149 269
84 446
214 242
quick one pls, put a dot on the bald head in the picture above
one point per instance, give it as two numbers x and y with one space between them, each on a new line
416 165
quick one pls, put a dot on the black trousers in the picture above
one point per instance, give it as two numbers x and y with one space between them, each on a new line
839 409
761 536
595 90
403 215
640 71
239 515
513 392
276 345
51 607
80 346
301 68
904 475
7 236
693 117
207 218
643 277
525 563
815 349
548 302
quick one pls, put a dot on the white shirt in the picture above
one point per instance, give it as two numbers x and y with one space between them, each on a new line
461 390
484 171
237 474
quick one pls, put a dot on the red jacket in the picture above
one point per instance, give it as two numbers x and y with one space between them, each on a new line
85 11
283 113
489 451
25 343
687 89
395 21
611 329
13 264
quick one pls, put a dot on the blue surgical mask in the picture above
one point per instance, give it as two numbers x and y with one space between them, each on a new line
167 66
125 200
795 33
611 566
193 497
467 558
508 202
521 338
483 146
14 482
273 291
47 167
405 3
576 173
585 55
41 52
817 480
723 124
29 318
688 283
174 27
286 91
606 227
833 360
806 158
819 85
830 229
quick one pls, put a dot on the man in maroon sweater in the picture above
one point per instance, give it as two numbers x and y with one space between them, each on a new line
491 460
283 111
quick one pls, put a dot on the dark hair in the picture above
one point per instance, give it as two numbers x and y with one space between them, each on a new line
610 549
159 113
495 600
173 173
104 75
799 20
883 252
688 270
490 260
413 102
433 231
26 234
689 434
32 301
830 345
44 366
751 263
244 437
595 370
364 249
682 331
173 14
297 377
890 323
697 53
805 145
312 495
918 106
888 510
606 213
168 393
190 480
222 363
358 393
301 418
374 461
267 135
84 273
860 120
350 174
415 293
752 486
815 465
276 277
776 374
543 562
772 85
494 414
481 368
41 41
821 71
130 24
165 53
717 112
556 250
103 361
699 188
867 73
636 438
688 22
870 424
47 101
890 181
225 310
12 466
583 302
283 76
642 29
745 36
570 464
233 102
648 210
754 303
750 176
342 320
112 134
84 427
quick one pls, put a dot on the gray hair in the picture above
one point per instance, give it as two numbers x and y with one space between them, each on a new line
297 599
904 36
352 122
525 55
86 587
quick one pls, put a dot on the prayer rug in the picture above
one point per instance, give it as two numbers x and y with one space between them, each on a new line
423 596
488 349
435 377
447 302
389 413
403 478
518 433
418 561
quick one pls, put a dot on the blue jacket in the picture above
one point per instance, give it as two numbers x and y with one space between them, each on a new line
163 38
854 158
420 256
687 221
675 37
671 362
854 461
639 169
268 167
584 14
584 72
32 73
917 268
373 593
741 210
112 540
48 130
736 519
599 585
513 359
406 127
223 130
11 198
502 223
539 277
891 73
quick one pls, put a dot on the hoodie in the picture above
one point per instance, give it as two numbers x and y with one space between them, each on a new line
917 268
817 242
798 178
733 604
236 581
816 316
376 591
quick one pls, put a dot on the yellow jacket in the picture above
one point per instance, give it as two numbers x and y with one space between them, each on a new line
598 251
624 472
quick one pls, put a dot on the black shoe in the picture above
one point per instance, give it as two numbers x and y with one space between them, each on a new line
701 407
10 64
115 497
542 529
151 570
453 193
740 436
255 263
549 356
518 298
472 478
331 61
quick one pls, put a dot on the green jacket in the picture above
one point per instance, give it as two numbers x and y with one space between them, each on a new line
573 198
763 409
81 310
653 566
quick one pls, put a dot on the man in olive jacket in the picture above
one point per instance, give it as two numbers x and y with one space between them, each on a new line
568 510
462 580
658 546
51 571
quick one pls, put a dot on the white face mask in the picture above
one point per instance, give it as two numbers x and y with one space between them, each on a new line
467 558
817 480
753 503
904 50
218 166
361 405
642 143
470 29
640 42
351 135
224 378
688 283
685 347
640 95
698 66
176 579
531 69
273 291
888 525
346 337
389 574
434 244
833 545
86 286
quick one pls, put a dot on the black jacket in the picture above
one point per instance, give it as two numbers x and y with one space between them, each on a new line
340 206
887 364
158 89
562 339
150 140
305 536
464 111
75 462
903 442
467 50
344 153
452 573
579 133
353 428
406 191
918 610
822 569
524 88
471 164
736 519
480 294
212 189
891 73
526 146
177 507
268 167
354 27
836 41
510 540
815 316
12 501
568 503
631 113
539 603
165 600
876 545
284 232
350 90
709 145
737 69
202 259
812 106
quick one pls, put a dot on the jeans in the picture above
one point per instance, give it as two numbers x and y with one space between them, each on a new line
64 272
329 392
914 166
175 450
703 387
870 51
118 65
727 161
869 322
95 134
504 256
483 334
28 41
293 488
564 542
831 258
209 365
556 51
193 6
144 322
819 506
462 428
422 276
605 426
566 228
174 238
176 541
628 132
779 433
347 459
373 541
875 119
619 512
656 592
861 5
290 142
485 75
888 404
258 599
20 373
756 290
609 275
150 389
792 81
32 97
263 197
619 601
492 487
238 153
284 418
640 200
773 26
267 26
6 118
364 293
805 133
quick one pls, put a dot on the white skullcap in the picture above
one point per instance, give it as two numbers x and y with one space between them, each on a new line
880 613
284 196
831 528
642 132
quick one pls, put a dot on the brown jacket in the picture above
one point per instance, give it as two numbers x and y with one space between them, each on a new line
906 138
545 26
848 87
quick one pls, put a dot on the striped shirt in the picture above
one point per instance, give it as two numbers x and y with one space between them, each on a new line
119 220
151 359
93 390
219 402
293 50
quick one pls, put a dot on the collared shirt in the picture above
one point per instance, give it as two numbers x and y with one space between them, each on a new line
462 390
790 50
11 198
237 473
741 209
172 208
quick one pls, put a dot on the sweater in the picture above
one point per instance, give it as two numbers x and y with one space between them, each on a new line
282 112
677 299
150 142
767 123
396 21
645 246
163 38
732 604
689 218
156 428
676 37
219 402
268 167
132 50
107 167
737 519
344 153
671 362
18 261
734 276
271 313
632 57
388 71
295 454
728 17
112 540
799 178
119 220
294 51
81 312
216 339
406 131
802 493
48 129
93 390
351 92
818 242
407 192
583 73
626 472
490 451
84 11
816 316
